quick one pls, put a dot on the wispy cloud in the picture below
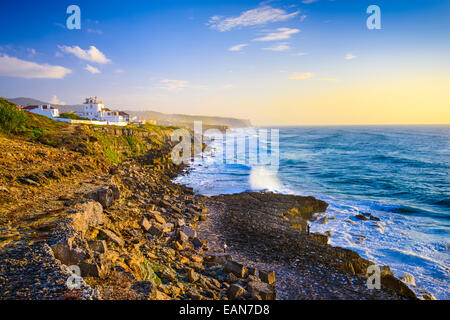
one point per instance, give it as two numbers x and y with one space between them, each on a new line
176 85
300 54
238 47
279 34
55 100
309 1
227 86
14 67
253 17
349 56
301 76
97 31
279 47
91 55
92 69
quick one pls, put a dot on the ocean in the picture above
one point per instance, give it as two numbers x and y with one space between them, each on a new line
399 174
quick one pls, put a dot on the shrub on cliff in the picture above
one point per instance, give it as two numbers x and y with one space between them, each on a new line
12 120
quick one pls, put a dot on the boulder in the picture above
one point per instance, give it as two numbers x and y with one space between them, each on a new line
64 252
86 214
191 233
182 237
261 289
104 196
267 277
409 279
157 216
98 246
112 236
236 268
192 275
235 292
145 224
156 230
146 290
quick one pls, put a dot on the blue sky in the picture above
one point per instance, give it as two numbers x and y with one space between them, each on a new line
247 59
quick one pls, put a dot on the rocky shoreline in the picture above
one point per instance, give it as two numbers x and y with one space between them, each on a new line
134 234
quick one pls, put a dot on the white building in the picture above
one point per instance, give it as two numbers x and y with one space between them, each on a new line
44 110
96 110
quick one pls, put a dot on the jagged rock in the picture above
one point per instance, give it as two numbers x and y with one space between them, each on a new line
104 196
180 223
388 281
89 269
236 268
169 275
267 277
86 214
196 258
409 279
253 271
361 217
191 233
98 246
156 230
64 252
182 237
235 292
177 246
232 278
145 224
261 289
157 216
147 290
192 275
112 236
321 238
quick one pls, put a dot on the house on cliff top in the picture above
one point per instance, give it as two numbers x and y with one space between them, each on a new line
94 109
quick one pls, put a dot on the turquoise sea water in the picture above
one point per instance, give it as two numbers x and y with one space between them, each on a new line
398 174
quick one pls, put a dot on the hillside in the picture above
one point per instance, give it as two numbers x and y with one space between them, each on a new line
159 117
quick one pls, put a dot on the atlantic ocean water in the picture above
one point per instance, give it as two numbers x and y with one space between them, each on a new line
399 174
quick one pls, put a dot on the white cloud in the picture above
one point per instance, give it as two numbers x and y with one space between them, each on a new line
303 17
253 17
309 1
119 71
92 69
14 67
176 85
92 55
301 76
238 47
280 47
280 34
349 56
227 86
300 54
97 31
55 100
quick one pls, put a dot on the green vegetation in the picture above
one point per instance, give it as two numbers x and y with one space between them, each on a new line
148 272
29 125
12 120
70 115
107 144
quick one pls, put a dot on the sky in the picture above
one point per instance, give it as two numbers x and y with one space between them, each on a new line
304 62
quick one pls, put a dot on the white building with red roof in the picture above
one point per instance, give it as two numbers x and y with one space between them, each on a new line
94 109
44 110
